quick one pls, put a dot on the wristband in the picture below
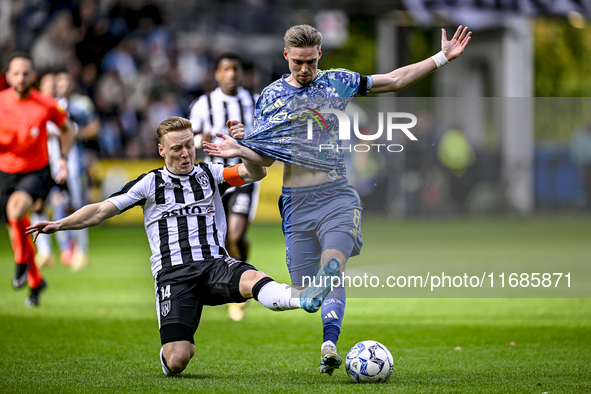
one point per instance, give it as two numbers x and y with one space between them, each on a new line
440 59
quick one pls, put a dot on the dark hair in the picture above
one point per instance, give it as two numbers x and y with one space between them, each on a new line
230 56
19 54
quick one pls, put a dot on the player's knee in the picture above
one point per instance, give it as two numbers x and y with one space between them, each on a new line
177 355
255 276
248 280
18 205
177 361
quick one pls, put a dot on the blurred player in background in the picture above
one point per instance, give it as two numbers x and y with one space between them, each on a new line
64 200
24 162
185 225
209 115
58 170
83 113
321 211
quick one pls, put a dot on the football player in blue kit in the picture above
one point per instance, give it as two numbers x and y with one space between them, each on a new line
320 210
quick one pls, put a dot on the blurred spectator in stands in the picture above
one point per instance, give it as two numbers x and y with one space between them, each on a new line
109 97
55 48
87 79
124 16
164 104
581 151
31 17
153 32
93 39
121 60
119 52
192 64
6 28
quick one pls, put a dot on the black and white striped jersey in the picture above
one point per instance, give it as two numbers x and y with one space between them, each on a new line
183 214
210 112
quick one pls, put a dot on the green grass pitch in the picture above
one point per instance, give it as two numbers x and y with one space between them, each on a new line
96 331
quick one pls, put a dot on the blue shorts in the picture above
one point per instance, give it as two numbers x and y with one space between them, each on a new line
317 218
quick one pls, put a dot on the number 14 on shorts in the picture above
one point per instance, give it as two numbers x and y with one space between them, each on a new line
165 291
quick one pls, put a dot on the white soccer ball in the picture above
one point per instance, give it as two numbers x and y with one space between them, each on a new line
369 361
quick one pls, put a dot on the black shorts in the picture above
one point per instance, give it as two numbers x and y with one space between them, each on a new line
179 303
241 200
37 184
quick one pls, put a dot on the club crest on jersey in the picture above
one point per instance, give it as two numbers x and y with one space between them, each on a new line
169 185
203 180
62 106
164 308
318 96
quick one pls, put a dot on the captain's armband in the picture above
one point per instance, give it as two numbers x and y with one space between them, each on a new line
231 176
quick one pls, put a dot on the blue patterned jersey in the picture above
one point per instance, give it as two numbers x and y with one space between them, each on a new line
282 115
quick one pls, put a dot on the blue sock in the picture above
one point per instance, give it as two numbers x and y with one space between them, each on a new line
333 311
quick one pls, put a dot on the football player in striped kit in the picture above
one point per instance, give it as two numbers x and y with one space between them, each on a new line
209 114
186 225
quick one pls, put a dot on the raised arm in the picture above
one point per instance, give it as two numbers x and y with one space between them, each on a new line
405 76
87 216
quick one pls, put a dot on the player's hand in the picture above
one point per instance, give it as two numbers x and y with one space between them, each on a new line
227 149
62 175
235 129
42 227
454 48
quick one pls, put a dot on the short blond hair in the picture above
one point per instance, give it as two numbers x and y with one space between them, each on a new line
173 123
302 36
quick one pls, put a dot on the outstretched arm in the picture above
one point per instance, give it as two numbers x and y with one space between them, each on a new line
405 76
230 148
87 216
250 172
251 169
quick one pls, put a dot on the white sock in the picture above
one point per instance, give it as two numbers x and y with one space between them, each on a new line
279 297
